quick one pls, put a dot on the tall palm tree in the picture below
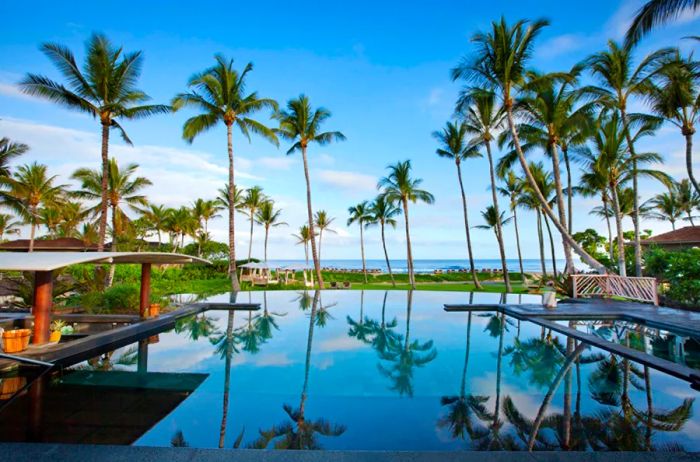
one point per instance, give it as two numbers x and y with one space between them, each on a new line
495 222
105 88
499 65
269 217
594 183
8 225
29 188
323 222
123 187
157 216
361 214
454 146
9 151
620 81
399 187
529 200
252 201
303 238
656 13
383 212
512 188
219 92
301 124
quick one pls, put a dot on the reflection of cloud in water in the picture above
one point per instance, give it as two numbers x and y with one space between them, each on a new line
340 343
179 359
324 363
276 359
527 400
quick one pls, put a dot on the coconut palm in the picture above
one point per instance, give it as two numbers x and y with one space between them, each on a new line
72 216
455 146
219 92
29 188
688 199
269 217
9 151
252 201
383 213
205 211
105 88
323 222
157 216
301 124
657 13
512 188
499 65
594 183
400 188
620 81
8 225
665 207
496 222
223 199
303 238
361 214
529 200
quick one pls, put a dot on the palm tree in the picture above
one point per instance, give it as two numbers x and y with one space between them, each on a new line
619 82
513 189
454 145
383 212
8 225
72 215
361 215
269 217
122 187
688 199
496 222
105 89
8 152
302 125
206 210
323 223
304 237
499 65
223 199
252 201
594 183
220 94
676 98
665 207
399 188
157 216
656 13
29 188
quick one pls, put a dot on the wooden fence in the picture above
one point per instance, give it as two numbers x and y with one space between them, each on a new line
610 285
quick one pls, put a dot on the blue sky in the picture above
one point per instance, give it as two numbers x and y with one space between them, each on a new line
381 68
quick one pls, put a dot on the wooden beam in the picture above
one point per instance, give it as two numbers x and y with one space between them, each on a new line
145 289
43 301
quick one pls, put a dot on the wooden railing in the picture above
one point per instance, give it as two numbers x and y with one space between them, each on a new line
610 285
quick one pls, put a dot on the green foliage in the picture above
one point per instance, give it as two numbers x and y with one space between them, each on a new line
594 244
680 269
122 298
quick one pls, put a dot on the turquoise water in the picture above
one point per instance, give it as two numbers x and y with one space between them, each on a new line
379 371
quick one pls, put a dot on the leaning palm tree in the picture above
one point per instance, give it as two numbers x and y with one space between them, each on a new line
620 81
500 65
454 146
383 212
399 187
8 225
513 189
269 217
29 188
361 215
220 94
656 13
301 124
9 151
252 201
323 222
105 89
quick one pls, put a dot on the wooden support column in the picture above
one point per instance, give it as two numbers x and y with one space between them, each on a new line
145 289
43 301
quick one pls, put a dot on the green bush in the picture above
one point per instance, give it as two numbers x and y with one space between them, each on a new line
681 270
122 298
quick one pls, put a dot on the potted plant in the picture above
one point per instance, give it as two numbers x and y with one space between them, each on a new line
56 327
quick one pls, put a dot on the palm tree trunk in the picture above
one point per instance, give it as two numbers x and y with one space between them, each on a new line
592 262
569 188
499 227
312 234
307 362
306 252
102 228
32 229
250 242
477 284
622 269
499 361
386 255
517 242
409 255
115 248
320 240
551 247
267 232
463 387
673 224
689 161
610 234
362 251
227 377
232 270
561 208
541 242
635 190
567 395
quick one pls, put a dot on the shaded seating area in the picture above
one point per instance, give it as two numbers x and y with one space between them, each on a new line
289 273
258 273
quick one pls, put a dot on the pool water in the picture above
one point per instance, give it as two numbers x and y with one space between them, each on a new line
360 370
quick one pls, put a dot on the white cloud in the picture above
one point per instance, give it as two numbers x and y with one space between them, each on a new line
349 181
276 163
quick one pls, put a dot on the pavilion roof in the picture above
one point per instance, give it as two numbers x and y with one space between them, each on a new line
688 235
49 261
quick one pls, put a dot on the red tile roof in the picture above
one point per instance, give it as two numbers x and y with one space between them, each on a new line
688 235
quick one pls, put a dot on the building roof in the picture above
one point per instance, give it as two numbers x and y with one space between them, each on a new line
62 244
688 235
49 261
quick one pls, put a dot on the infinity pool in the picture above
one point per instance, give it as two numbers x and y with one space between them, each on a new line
360 371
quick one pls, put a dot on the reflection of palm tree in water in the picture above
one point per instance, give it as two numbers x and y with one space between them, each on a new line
364 327
384 336
266 321
406 357
196 326
104 362
300 433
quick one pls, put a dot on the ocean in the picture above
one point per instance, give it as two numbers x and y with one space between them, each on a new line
530 265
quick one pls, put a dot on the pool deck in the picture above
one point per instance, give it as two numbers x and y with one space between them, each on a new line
21 452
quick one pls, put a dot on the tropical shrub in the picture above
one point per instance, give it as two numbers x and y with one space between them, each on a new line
681 270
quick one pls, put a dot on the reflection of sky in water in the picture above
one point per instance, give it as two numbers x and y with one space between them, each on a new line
346 385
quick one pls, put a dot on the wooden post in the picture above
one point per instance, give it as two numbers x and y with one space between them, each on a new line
43 301
574 281
145 289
